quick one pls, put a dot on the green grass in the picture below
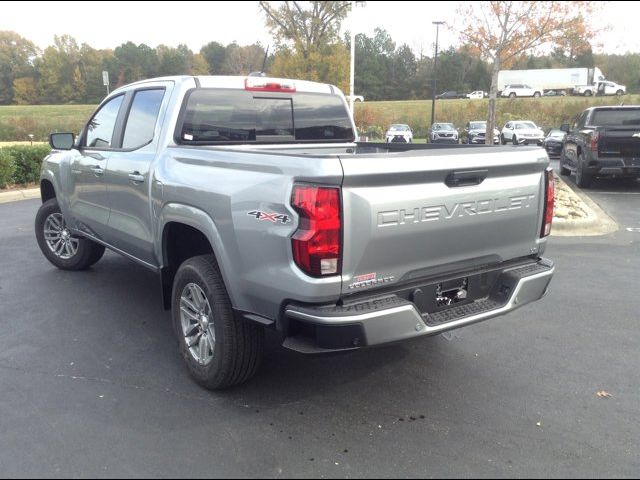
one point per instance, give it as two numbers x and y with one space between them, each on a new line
373 118
18 121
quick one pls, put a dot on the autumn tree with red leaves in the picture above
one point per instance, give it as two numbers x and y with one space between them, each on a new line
501 31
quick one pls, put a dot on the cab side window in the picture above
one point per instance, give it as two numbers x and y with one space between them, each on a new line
101 127
142 118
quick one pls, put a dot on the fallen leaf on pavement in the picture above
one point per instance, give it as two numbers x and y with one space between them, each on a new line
603 394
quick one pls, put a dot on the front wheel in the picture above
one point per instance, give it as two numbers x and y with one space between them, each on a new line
512 95
63 249
219 349
619 93
564 171
588 93
514 139
536 94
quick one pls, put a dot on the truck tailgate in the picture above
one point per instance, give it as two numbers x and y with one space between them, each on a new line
415 214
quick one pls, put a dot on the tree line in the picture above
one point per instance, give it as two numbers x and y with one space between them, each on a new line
307 46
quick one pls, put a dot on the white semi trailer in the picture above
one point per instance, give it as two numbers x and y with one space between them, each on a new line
559 79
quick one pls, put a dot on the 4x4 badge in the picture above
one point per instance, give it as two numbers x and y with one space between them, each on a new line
270 217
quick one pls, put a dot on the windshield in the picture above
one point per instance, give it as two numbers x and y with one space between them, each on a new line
478 126
215 116
399 128
444 126
523 125
605 118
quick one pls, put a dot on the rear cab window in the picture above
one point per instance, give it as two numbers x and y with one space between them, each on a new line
228 116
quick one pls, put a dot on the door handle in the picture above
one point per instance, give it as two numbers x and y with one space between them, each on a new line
97 170
465 179
135 177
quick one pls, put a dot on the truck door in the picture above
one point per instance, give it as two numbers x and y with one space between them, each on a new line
129 177
88 201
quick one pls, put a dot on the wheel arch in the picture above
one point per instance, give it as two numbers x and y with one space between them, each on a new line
198 235
47 190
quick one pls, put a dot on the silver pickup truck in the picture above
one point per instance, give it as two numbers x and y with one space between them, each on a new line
253 202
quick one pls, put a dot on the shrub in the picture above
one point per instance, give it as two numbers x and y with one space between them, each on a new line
7 169
27 160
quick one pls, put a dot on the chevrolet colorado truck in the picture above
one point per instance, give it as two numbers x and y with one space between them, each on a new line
252 201
603 141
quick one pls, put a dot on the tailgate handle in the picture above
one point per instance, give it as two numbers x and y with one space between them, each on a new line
465 179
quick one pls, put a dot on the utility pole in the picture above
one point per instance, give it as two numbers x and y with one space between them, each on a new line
435 72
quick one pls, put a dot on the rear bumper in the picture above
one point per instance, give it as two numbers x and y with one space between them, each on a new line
615 166
391 318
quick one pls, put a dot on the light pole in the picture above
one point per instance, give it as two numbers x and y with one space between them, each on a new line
353 55
435 71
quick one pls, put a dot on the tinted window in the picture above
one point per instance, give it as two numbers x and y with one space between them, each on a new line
616 117
142 118
219 116
100 128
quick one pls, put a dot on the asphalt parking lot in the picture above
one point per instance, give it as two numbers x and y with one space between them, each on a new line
91 383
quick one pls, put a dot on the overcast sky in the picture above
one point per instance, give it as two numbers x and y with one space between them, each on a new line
108 24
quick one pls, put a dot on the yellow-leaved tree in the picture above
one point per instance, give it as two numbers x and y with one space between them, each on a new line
500 31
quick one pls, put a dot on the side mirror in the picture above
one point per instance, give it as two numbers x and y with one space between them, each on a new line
565 127
62 141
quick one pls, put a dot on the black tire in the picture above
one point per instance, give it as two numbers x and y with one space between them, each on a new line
512 95
564 171
583 178
514 139
588 93
238 343
536 94
503 141
87 252
619 93
96 254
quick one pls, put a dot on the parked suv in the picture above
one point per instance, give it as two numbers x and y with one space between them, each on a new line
475 132
521 132
520 90
443 133
399 132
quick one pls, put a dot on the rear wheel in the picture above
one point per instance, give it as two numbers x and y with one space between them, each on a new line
583 178
536 94
62 248
503 140
219 349
619 93
588 93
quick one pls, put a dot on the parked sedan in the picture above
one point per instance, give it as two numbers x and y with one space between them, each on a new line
521 132
443 133
475 132
399 132
450 95
553 142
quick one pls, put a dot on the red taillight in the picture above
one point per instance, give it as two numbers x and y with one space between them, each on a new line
259 84
548 203
593 143
316 243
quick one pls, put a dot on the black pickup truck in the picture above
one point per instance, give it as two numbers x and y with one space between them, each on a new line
603 141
